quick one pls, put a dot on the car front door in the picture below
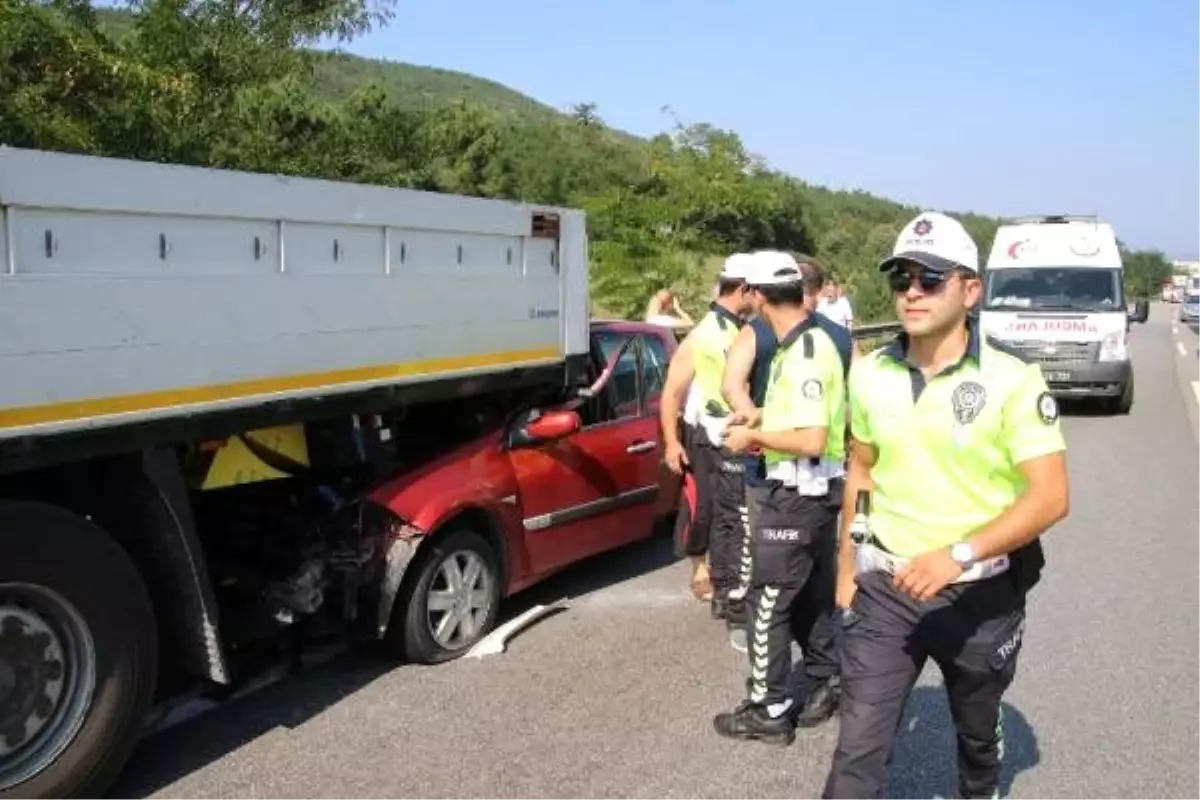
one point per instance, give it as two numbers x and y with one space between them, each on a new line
579 495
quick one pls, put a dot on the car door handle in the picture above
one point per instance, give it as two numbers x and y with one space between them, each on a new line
641 447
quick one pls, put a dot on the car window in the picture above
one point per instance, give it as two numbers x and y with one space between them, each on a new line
654 367
620 394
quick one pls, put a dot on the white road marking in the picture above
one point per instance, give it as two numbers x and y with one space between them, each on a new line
1182 350
1196 390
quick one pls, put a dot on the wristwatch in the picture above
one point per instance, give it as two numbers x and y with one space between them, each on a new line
964 555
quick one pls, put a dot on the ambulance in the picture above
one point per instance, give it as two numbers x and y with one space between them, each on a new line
1054 292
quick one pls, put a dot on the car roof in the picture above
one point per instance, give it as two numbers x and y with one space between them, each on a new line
628 326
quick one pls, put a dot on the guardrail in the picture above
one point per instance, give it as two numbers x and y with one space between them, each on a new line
871 332
875 329
869 337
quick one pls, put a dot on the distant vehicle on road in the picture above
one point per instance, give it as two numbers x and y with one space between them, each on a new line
1055 292
1189 312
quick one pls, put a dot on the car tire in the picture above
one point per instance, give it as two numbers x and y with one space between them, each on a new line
80 632
411 633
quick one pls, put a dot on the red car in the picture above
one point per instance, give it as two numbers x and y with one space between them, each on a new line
555 486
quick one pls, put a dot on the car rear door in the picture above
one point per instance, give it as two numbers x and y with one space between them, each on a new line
657 351
636 429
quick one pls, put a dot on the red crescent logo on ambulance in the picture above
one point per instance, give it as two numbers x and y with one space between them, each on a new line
1016 249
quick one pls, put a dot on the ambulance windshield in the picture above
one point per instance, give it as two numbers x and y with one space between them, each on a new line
1085 289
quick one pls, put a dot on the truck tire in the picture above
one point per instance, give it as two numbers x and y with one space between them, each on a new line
413 633
76 628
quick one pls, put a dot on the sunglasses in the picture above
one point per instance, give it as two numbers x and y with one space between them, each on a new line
929 280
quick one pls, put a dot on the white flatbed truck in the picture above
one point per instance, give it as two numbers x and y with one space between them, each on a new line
152 317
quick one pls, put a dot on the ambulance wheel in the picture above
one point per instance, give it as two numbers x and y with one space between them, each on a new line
78 654
1123 403
451 601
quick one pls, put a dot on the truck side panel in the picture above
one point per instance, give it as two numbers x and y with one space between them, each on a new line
139 291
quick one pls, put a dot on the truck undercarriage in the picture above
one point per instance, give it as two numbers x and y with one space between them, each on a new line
288 557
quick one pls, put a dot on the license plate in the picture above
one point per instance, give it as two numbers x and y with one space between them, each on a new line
1057 376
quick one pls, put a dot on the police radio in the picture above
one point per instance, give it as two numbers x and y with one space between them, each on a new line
860 526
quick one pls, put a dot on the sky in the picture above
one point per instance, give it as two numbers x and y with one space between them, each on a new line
1005 108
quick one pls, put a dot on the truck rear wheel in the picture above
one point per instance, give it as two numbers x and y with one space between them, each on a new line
451 602
78 653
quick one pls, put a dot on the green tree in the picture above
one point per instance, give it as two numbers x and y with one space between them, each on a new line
1145 272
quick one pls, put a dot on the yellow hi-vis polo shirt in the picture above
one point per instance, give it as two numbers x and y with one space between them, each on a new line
806 389
714 336
948 449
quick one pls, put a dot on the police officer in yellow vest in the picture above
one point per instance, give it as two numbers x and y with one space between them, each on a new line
957 453
697 366
792 498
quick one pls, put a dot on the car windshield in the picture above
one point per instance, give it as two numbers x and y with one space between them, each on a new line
1192 299
1054 289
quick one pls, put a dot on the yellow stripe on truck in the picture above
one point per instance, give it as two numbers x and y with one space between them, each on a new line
168 398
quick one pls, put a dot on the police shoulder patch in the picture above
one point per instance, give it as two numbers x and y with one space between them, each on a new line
1047 408
812 389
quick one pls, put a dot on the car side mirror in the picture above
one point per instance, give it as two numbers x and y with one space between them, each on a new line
1140 311
545 426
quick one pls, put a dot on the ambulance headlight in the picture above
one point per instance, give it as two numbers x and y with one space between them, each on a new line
1113 347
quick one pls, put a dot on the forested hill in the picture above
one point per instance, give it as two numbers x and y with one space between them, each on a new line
413 88
237 85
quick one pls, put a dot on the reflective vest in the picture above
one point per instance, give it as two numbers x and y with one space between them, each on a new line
714 336
806 389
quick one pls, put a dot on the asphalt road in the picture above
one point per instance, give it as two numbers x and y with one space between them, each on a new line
614 696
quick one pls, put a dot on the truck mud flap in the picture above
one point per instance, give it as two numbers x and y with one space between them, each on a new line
154 522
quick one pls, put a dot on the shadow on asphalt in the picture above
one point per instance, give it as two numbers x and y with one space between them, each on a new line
596 573
165 757
925 759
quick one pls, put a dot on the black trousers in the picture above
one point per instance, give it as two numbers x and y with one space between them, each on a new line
745 546
972 630
728 508
791 597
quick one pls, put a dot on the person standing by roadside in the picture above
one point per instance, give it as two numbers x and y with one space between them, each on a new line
791 512
956 444
709 523
664 309
835 306
744 386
